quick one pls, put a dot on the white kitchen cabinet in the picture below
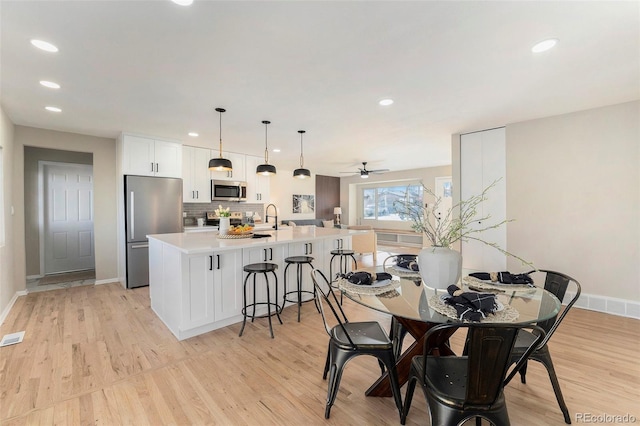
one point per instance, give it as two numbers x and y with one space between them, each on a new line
145 156
270 254
196 181
314 249
483 162
198 294
258 186
227 273
238 161
343 243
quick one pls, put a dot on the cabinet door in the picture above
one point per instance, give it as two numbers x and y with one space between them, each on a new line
198 300
238 161
168 159
227 281
334 244
196 184
138 156
482 162
257 185
269 254
307 248
188 190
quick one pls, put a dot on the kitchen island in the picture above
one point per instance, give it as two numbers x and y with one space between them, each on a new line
195 279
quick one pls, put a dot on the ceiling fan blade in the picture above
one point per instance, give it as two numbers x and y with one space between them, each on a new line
378 171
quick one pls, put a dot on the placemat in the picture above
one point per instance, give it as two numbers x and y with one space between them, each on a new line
235 236
407 273
501 288
508 314
374 290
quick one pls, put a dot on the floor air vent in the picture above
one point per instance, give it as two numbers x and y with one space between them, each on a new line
12 339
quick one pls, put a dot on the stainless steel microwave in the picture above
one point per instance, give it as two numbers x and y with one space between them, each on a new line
227 190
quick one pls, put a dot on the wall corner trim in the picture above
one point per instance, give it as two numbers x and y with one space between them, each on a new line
6 310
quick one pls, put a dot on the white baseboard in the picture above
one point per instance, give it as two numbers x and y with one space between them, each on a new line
608 305
34 277
107 281
6 310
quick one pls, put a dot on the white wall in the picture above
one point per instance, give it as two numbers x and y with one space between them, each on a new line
282 188
573 191
9 286
104 204
573 187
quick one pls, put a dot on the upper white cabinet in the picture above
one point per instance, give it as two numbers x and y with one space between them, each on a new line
196 181
258 186
483 162
238 163
151 157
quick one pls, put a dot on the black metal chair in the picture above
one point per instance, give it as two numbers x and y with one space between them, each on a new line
351 339
556 283
458 388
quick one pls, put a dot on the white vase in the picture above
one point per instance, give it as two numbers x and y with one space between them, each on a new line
439 267
225 223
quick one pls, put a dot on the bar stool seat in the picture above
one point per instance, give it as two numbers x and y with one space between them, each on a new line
254 269
299 261
343 254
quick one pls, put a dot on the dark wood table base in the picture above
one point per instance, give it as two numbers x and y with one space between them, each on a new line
438 345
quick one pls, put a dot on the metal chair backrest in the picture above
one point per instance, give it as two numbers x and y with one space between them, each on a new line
323 297
557 284
489 347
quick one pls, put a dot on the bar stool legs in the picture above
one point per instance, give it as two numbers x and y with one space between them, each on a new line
253 270
344 256
299 261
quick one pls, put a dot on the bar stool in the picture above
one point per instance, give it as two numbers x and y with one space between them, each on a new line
299 261
252 270
344 258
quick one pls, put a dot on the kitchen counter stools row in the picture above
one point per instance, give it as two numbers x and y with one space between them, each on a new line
198 281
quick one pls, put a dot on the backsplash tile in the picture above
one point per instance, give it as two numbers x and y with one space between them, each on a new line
196 210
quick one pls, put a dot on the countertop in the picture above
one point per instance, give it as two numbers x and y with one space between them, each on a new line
203 242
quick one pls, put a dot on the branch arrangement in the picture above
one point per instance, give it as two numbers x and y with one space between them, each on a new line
445 231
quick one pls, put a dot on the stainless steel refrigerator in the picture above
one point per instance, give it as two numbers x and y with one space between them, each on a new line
153 205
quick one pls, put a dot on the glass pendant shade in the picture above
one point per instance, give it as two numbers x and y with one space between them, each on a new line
301 173
220 164
266 169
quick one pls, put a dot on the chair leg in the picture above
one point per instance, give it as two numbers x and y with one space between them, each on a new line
523 372
390 363
326 364
411 386
335 376
545 358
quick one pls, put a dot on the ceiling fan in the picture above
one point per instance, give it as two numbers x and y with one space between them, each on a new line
364 173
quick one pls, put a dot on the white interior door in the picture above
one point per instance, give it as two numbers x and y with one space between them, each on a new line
68 217
445 194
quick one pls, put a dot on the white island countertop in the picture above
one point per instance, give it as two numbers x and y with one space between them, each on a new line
205 242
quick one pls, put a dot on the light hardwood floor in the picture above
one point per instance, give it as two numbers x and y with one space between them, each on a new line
98 355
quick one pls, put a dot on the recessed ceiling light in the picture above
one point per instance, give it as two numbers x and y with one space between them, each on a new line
276 149
53 109
386 102
544 45
50 84
193 134
183 2
44 45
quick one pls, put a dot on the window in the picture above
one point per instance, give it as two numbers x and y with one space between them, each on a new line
378 203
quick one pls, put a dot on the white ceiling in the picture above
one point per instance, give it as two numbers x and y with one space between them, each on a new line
156 68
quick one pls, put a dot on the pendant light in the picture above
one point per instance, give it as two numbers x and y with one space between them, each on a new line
266 169
220 164
301 173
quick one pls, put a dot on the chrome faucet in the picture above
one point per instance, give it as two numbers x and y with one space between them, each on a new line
266 215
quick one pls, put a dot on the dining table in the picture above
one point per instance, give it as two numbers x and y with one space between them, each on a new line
418 308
